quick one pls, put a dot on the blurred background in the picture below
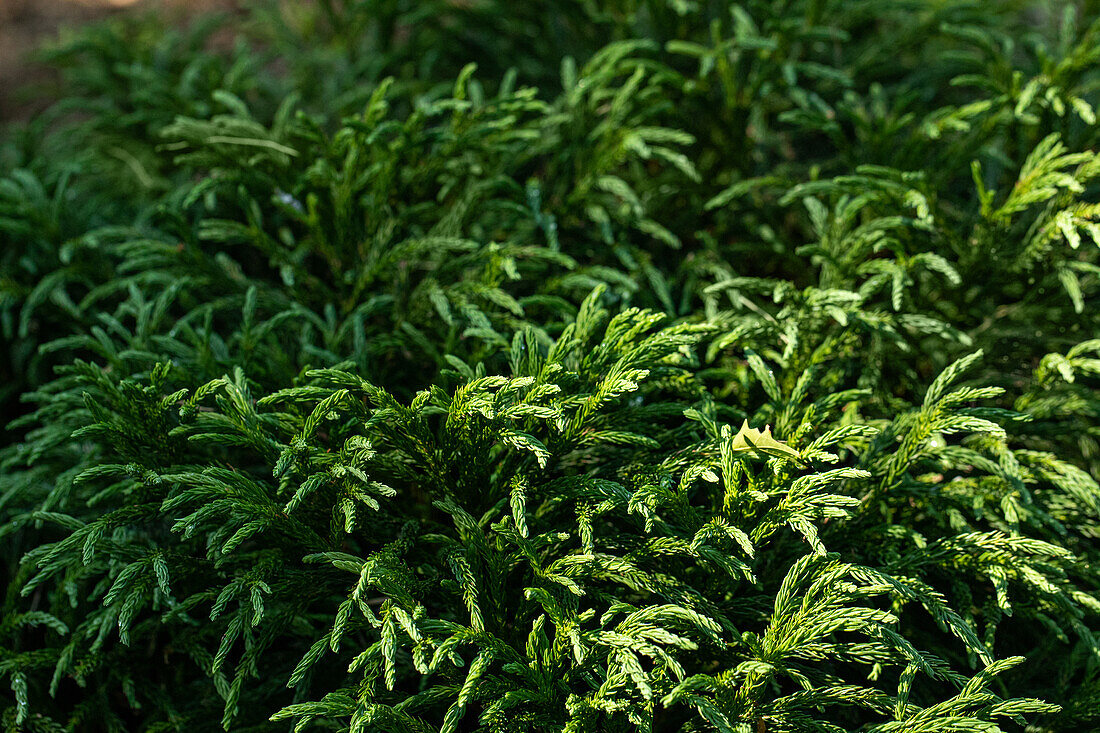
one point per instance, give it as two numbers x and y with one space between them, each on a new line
28 24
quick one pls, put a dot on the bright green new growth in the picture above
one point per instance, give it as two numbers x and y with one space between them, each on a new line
383 372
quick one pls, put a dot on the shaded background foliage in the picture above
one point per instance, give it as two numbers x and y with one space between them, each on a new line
383 369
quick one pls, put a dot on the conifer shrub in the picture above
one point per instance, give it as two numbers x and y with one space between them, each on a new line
557 366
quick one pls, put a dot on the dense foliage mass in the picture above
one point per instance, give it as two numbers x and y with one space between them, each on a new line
641 365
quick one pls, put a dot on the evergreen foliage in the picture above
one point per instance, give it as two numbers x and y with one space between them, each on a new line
641 365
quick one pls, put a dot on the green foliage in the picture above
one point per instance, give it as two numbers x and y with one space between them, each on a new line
625 366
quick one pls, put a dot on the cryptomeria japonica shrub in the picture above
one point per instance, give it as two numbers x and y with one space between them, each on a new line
648 366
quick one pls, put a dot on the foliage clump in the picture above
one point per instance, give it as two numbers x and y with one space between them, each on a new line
557 366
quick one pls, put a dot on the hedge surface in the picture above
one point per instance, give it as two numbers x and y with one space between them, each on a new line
637 365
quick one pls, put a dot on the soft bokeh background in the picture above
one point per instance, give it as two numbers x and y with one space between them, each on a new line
28 24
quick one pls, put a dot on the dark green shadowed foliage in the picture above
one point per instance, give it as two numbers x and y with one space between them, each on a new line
645 365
